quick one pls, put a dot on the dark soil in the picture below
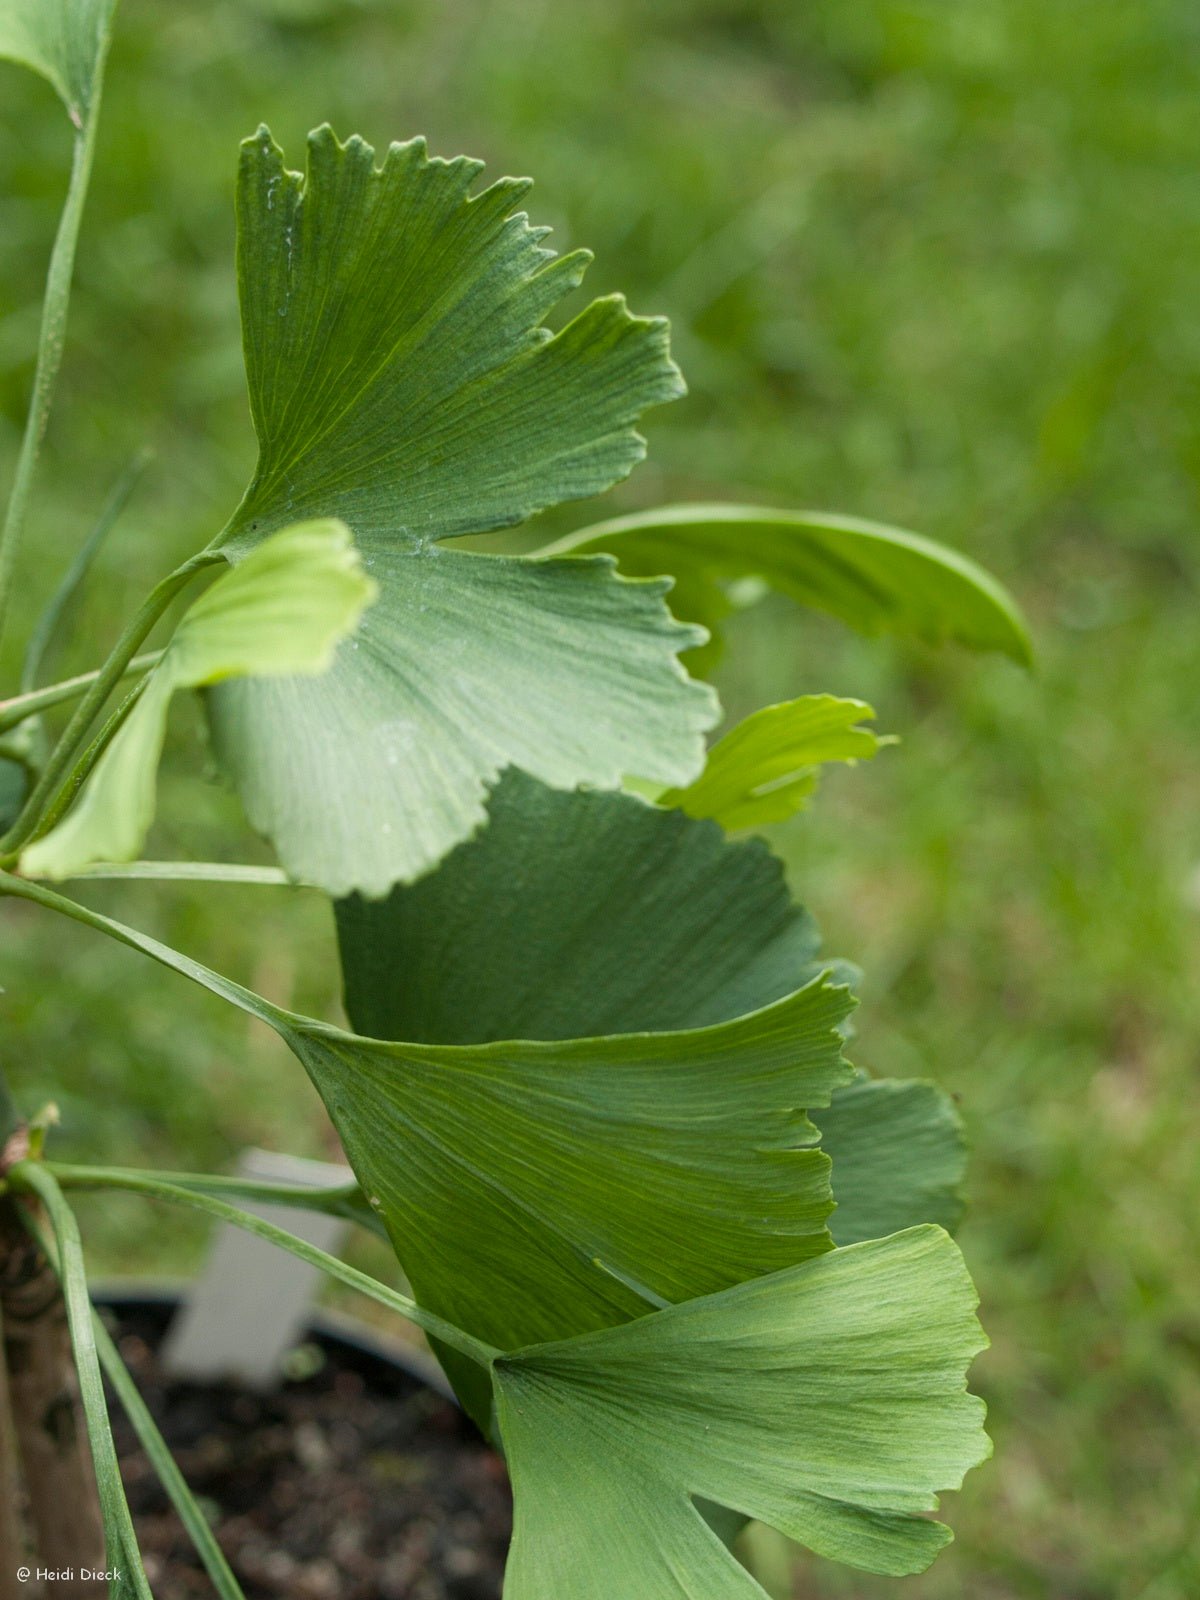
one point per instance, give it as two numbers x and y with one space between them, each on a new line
355 1482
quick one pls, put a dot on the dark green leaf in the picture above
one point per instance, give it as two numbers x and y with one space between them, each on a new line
572 916
899 1157
534 1189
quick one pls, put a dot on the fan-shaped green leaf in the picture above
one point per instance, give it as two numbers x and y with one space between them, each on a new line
766 768
539 1188
400 377
877 579
64 40
828 1400
899 1157
282 611
573 916
631 919
536 1189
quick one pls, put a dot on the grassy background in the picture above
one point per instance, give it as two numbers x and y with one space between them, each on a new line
925 263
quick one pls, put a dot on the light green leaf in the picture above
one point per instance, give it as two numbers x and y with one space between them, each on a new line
64 40
875 578
765 769
282 611
828 1401
899 1157
400 377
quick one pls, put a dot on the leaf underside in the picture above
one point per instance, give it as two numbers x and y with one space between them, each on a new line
874 578
400 378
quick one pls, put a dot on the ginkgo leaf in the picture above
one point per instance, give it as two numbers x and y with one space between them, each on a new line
875 578
573 916
899 1156
537 1188
282 611
401 378
64 40
766 768
829 1401
533 1189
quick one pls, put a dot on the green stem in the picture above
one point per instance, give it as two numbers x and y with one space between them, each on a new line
232 872
336 1200
158 1453
50 343
43 634
215 982
31 1177
23 706
57 768
139 1183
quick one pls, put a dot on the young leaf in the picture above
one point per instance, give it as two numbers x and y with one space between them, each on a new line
765 769
64 40
828 1401
282 611
875 578
899 1157
400 377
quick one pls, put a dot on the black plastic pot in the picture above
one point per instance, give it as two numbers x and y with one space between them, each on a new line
357 1479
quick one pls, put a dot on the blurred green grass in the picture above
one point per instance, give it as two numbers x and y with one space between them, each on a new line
930 264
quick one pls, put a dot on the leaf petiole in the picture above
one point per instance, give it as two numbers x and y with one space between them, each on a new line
32 1177
159 1189
57 770
23 706
159 1455
338 1200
